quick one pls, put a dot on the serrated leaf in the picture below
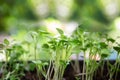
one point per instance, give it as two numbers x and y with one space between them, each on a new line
6 42
60 31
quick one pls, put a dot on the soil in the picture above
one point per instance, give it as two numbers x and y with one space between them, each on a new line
69 73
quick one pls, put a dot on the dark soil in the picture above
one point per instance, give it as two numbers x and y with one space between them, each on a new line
69 73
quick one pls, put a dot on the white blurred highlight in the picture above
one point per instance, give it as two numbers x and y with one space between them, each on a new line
117 23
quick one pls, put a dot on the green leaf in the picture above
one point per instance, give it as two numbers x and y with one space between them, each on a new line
84 49
104 55
88 45
31 36
44 32
45 46
1 46
63 63
32 66
8 75
6 42
9 49
117 49
63 41
60 31
76 42
103 45
80 31
37 62
28 38
45 63
111 40
34 34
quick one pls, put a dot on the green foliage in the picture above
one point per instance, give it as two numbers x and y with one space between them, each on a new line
117 48
6 42
59 49
1 46
60 31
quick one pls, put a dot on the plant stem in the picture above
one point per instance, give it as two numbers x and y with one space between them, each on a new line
83 69
35 51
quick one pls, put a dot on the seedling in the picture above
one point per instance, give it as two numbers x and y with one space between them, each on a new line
93 49
94 46
60 49
10 67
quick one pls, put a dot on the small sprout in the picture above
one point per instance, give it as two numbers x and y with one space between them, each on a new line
6 42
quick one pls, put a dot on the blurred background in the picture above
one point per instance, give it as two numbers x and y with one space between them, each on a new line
19 16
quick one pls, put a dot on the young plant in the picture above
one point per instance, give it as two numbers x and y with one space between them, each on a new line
98 51
32 39
11 69
60 49
35 39
114 69
93 49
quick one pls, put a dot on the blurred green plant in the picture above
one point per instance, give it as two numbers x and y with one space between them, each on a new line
11 69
